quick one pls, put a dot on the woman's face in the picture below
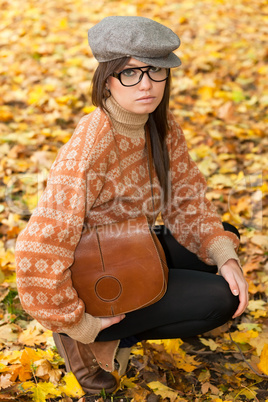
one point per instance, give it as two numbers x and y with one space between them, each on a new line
141 98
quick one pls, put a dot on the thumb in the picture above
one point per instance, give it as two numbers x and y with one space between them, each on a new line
118 318
108 321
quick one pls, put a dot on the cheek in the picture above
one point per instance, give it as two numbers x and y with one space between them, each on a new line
115 86
160 91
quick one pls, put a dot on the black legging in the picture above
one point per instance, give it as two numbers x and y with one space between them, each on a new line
196 300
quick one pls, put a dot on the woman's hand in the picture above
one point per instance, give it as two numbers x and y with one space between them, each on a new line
107 322
233 275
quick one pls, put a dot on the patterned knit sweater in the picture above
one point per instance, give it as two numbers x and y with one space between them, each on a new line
101 176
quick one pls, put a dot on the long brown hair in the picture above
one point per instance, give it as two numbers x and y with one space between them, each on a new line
158 121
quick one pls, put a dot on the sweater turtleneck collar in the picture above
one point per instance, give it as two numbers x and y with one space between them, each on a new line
125 122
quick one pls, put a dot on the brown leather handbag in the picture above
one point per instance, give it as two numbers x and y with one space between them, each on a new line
120 267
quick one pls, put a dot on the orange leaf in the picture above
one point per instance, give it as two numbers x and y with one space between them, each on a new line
263 365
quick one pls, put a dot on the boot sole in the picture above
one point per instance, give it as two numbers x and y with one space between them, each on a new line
61 349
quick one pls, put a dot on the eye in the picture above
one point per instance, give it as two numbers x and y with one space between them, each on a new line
155 69
129 72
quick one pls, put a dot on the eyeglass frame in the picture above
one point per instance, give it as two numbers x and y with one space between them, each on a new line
118 75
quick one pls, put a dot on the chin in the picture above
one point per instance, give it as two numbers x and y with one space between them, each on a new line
145 109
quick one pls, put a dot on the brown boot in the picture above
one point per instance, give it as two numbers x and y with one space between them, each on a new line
80 360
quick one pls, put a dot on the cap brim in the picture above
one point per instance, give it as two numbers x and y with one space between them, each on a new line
171 61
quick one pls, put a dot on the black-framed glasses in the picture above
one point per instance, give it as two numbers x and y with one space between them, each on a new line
132 76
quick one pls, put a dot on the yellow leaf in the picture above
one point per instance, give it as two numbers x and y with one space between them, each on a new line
137 350
216 55
36 95
182 20
163 390
260 240
128 382
260 341
2 367
181 359
256 305
29 356
41 390
221 181
32 336
137 394
9 333
248 326
72 387
63 23
206 93
204 376
2 276
66 100
186 363
173 346
244 337
43 367
210 343
215 134
263 365
24 373
88 109
263 70
8 258
253 289
259 313
249 393
220 400
5 114
46 389
75 61
14 370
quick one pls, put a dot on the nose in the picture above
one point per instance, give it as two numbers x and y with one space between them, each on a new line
146 82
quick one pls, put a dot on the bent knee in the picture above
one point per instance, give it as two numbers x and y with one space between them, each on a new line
225 303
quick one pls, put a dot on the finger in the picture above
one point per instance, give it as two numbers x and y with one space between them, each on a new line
238 288
243 297
118 318
234 286
239 311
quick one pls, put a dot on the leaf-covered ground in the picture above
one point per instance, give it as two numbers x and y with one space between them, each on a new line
220 98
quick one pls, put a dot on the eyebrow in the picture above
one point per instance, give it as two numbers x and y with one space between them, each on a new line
132 65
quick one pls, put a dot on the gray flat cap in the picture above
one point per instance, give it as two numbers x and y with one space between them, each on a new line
138 37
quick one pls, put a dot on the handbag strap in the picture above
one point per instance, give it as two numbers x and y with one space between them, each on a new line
150 166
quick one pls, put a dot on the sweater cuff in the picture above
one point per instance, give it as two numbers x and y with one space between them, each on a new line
86 330
221 251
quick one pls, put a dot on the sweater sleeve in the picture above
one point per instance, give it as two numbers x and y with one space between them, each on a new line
45 251
189 215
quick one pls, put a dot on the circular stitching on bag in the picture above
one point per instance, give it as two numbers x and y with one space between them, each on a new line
111 282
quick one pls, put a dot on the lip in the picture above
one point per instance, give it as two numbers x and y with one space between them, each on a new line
146 99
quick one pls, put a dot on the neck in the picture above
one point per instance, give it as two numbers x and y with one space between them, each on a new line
125 122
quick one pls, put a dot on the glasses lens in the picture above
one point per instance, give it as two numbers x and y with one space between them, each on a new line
158 74
131 76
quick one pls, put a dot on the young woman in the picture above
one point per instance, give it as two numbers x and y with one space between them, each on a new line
101 176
